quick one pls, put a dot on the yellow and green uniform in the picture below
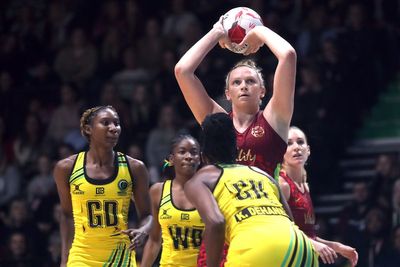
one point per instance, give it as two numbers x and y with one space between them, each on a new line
258 230
100 210
181 230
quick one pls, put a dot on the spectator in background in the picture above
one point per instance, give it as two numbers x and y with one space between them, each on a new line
158 142
386 170
177 21
135 151
10 54
372 242
53 258
131 73
6 145
19 252
392 258
395 204
10 96
310 35
352 216
310 99
110 52
109 17
27 146
10 180
42 184
20 218
65 118
165 83
134 16
78 60
63 151
151 46
142 113
27 30
193 32
58 21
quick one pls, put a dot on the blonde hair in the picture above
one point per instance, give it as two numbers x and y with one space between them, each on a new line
246 63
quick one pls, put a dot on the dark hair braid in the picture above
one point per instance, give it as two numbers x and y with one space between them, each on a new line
88 115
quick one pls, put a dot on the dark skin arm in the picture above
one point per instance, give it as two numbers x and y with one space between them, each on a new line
153 244
142 202
198 191
61 173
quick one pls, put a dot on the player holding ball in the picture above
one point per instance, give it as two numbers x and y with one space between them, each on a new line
261 134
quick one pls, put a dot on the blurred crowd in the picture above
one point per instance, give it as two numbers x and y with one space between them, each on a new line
59 57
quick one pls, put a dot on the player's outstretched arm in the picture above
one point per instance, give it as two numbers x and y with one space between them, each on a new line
279 109
192 88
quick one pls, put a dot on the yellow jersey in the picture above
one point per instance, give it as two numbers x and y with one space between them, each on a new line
100 211
182 231
258 230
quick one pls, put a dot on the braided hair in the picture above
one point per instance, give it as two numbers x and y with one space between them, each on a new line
88 116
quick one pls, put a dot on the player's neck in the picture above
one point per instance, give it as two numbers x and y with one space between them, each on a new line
100 157
295 173
242 120
179 182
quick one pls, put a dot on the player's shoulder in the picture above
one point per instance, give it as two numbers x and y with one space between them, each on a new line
155 192
209 169
156 188
66 163
135 163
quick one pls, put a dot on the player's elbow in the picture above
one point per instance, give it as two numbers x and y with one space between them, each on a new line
290 55
180 70
216 223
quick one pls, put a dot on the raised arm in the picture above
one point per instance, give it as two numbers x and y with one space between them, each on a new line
153 244
61 173
279 109
192 88
198 192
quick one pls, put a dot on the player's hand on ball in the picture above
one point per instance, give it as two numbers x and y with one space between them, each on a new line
138 237
252 41
224 41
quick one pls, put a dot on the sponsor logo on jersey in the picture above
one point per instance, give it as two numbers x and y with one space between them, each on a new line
185 217
245 156
122 187
165 215
257 131
100 191
76 190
